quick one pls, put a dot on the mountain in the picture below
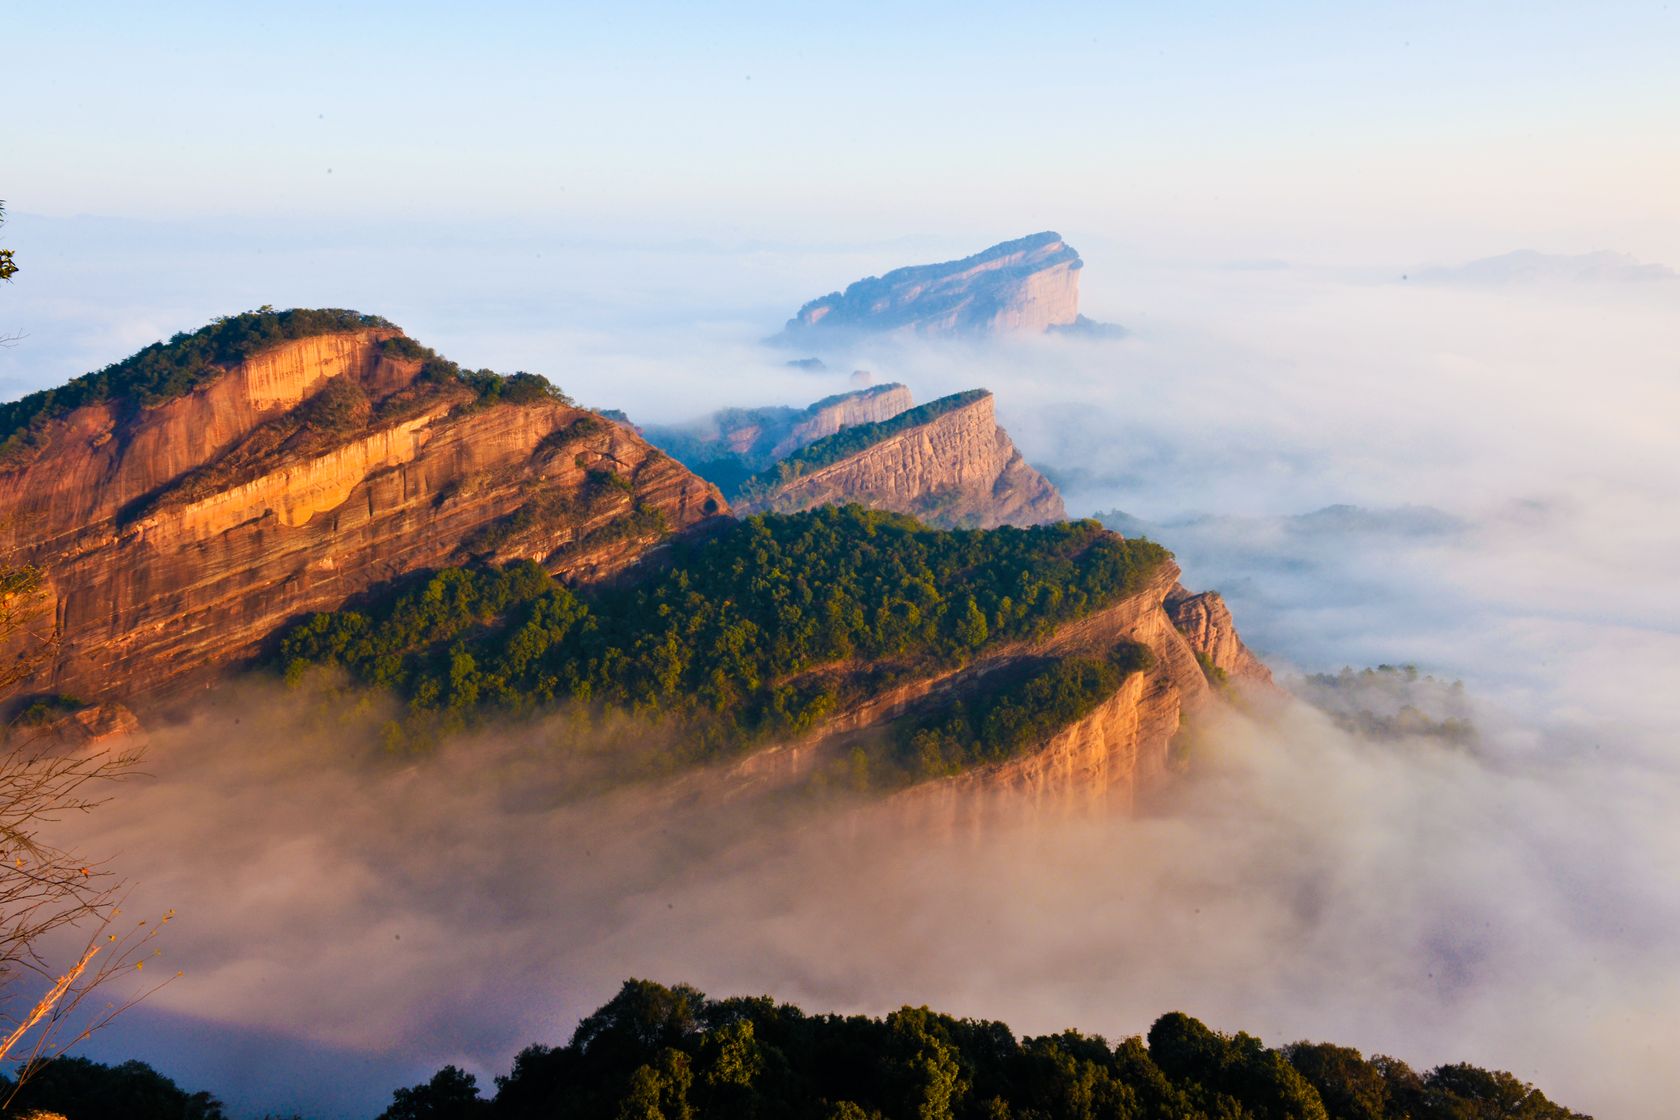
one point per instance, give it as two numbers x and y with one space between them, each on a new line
838 647
314 489
946 462
1527 266
182 505
1029 286
731 445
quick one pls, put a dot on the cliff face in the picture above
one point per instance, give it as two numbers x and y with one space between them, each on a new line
750 439
1206 623
174 539
1103 762
957 470
1028 285
848 410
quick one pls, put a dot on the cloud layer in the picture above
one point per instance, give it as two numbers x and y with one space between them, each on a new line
1510 455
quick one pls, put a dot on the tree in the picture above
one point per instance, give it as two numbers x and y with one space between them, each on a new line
451 1094
8 269
8 266
50 896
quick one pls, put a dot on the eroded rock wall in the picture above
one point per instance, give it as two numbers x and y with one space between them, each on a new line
1206 623
160 573
958 470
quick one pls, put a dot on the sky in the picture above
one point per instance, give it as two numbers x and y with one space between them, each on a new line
1274 200
1242 129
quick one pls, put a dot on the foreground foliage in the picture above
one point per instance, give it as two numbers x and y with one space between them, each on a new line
86 1090
742 636
658 1053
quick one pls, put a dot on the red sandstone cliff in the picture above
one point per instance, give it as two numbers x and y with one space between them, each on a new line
750 439
1206 623
959 469
173 539
1102 762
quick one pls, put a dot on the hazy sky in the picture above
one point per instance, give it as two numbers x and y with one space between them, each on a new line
1322 129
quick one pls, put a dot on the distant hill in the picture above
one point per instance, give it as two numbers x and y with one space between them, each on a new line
1527 266
1026 286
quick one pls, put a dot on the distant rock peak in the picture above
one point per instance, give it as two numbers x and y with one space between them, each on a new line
1029 285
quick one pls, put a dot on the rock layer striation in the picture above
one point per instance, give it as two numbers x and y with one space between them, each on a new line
957 470
173 539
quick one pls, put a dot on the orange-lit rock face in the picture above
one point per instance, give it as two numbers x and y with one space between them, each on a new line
1101 763
1206 623
175 539
958 469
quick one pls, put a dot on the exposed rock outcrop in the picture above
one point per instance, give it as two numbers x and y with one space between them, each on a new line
81 727
1103 762
175 538
1029 285
751 439
958 469
1206 623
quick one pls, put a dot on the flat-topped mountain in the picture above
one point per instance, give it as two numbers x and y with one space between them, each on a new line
1029 285
946 462
183 504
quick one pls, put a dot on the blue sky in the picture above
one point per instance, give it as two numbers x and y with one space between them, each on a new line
1316 129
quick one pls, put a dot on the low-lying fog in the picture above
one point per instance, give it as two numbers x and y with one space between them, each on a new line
1509 454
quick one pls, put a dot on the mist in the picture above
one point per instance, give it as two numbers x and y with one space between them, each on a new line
1405 898
1505 457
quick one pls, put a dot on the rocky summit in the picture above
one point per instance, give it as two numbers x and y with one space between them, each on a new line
946 462
178 518
1026 286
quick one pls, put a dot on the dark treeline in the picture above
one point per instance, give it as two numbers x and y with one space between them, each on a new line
80 1089
658 1053
730 635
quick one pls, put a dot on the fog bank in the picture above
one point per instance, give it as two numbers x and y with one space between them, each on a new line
1400 897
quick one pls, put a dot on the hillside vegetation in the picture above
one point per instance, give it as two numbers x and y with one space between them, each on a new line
729 636
164 371
657 1052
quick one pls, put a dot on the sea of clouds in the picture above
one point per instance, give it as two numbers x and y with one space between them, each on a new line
1475 479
